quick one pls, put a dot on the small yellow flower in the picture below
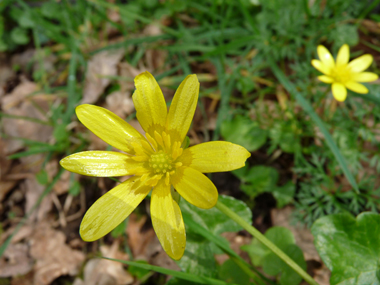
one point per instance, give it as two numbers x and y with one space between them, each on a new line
157 161
342 74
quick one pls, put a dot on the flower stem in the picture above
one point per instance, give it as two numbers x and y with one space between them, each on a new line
254 232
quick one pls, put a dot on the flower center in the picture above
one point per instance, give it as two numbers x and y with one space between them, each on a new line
160 162
159 156
341 74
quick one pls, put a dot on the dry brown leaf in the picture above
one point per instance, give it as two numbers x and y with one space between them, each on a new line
53 257
103 272
120 103
33 191
15 261
128 71
138 239
18 103
100 67
303 236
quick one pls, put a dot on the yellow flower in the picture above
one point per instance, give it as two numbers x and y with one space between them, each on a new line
342 74
157 161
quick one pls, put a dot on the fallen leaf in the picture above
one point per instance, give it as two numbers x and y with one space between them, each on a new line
53 257
120 103
33 191
15 261
138 239
101 66
17 103
103 272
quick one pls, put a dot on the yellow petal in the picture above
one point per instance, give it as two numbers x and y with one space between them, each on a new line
195 187
100 163
320 66
343 55
364 76
151 110
167 221
112 208
182 109
361 63
108 126
326 79
325 56
339 91
356 87
215 157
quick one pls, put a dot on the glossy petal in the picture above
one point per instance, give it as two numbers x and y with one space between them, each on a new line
326 79
356 87
112 208
100 163
182 109
151 110
195 187
320 66
215 157
361 63
343 55
325 56
108 126
339 91
167 221
364 77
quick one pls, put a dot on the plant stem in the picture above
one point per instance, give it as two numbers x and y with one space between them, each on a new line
254 232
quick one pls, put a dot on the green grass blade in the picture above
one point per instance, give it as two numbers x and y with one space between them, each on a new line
178 274
309 109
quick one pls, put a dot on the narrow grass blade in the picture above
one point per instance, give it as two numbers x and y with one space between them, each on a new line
309 109
178 274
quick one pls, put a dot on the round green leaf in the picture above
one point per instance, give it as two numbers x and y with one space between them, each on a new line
261 255
232 273
245 132
349 247
19 36
260 179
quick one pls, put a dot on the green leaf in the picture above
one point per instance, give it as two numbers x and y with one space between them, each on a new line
242 131
19 36
271 263
284 194
283 133
198 258
260 179
232 273
26 20
51 10
345 34
349 247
